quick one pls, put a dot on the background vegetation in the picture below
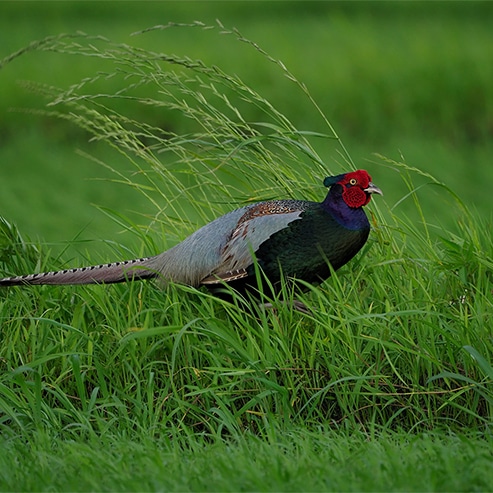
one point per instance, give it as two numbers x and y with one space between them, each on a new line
385 385
410 79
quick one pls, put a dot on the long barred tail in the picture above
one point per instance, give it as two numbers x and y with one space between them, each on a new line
97 274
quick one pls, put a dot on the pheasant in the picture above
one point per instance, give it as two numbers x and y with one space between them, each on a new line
286 238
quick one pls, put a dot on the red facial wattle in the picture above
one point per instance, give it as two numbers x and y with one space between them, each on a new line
355 197
354 185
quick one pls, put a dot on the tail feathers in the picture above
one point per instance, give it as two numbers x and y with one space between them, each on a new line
97 274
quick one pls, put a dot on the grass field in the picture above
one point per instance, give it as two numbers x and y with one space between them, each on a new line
385 385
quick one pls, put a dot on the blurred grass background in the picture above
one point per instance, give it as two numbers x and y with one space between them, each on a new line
411 81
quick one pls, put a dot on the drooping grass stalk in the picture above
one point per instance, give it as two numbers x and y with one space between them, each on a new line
225 158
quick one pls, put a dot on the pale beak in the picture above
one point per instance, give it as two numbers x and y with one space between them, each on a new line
373 189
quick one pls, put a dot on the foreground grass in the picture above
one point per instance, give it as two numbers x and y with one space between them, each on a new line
385 386
295 461
400 339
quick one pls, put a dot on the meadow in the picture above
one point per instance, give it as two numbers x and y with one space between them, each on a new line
118 146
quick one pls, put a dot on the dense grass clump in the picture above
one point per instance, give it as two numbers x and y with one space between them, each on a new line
397 340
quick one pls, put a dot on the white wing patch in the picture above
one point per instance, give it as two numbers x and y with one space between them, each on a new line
256 226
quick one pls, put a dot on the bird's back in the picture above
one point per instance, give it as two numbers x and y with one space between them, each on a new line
224 248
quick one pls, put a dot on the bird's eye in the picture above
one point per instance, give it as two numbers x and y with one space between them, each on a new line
353 181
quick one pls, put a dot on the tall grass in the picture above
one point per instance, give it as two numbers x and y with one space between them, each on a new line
398 339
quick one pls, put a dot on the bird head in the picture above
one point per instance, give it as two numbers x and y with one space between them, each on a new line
357 187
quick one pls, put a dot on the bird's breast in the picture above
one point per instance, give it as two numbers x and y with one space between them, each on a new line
305 248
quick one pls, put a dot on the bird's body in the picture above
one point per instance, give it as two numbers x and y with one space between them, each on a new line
287 238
